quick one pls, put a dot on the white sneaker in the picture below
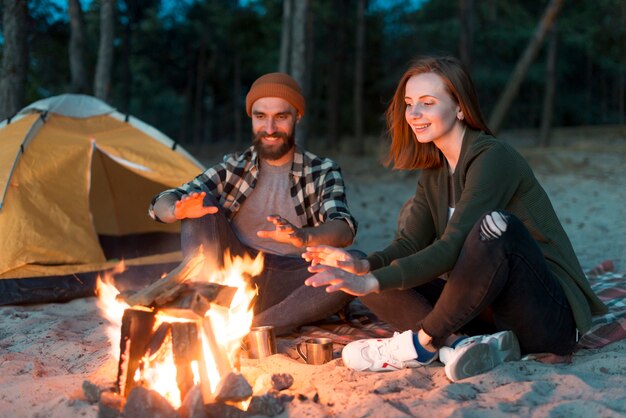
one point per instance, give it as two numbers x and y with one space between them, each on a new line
383 354
476 355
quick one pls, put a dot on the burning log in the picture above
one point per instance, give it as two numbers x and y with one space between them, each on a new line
195 299
168 288
136 335
139 340
186 348
158 338
223 364
164 358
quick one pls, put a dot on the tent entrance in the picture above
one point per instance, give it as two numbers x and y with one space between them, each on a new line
119 198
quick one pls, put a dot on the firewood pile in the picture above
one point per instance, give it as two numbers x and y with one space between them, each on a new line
185 302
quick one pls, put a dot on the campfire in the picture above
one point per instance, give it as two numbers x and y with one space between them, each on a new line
181 337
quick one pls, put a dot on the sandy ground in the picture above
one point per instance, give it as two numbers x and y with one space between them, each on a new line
48 350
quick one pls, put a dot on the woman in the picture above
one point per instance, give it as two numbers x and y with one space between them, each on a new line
479 244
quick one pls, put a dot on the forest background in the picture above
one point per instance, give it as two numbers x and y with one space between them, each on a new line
185 66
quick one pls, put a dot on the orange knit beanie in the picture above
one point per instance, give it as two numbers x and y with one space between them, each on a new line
276 85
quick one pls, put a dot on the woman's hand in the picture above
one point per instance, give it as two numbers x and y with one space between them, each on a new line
192 206
335 257
338 279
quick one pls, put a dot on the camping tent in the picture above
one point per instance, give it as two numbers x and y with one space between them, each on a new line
76 179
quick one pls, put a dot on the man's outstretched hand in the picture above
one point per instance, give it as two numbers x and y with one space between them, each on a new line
285 232
192 206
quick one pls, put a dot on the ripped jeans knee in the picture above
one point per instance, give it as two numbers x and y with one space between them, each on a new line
493 225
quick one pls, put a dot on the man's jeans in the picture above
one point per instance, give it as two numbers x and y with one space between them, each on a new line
283 300
503 280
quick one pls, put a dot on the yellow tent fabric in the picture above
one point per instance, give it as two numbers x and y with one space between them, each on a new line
72 169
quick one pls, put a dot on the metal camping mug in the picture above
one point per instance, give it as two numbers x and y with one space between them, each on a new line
261 342
318 350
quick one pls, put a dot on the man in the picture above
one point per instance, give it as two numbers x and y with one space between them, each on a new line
273 198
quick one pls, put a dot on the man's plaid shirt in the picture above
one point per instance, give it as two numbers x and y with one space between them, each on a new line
317 186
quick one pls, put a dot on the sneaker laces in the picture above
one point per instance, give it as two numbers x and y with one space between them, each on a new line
383 349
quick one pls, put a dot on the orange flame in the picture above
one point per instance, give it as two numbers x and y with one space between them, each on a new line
229 326
160 374
111 308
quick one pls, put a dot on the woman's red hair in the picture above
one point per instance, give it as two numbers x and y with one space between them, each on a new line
405 152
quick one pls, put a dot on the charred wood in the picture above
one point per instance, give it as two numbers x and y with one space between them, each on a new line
167 288
136 334
186 348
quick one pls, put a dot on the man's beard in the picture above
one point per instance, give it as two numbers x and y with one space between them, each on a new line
273 152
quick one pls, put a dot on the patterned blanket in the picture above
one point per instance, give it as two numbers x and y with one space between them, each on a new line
357 322
611 288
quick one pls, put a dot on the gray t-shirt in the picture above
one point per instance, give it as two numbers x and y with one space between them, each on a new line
271 196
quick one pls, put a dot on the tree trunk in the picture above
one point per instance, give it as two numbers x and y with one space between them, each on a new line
201 65
78 69
285 37
104 67
491 13
238 120
358 143
504 102
336 62
185 136
307 87
605 94
621 73
589 78
127 78
298 56
548 100
14 57
620 97
466 35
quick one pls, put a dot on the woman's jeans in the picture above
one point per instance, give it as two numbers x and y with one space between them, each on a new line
502 282
283 300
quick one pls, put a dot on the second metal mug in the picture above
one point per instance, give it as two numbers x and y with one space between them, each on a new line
318 350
